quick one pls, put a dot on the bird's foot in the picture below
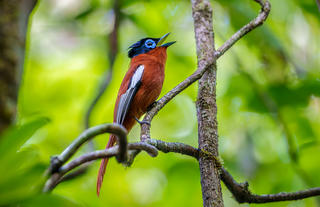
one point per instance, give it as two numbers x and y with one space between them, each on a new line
142 122
151 106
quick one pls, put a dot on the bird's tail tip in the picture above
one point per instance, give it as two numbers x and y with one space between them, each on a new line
102 171
104 164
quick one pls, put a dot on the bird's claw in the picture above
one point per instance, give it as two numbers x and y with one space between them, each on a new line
141 122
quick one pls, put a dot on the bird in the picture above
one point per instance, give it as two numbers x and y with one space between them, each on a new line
140 87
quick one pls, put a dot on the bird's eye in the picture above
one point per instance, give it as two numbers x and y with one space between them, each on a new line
150 43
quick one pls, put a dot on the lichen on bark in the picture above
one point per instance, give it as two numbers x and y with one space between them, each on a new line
206 104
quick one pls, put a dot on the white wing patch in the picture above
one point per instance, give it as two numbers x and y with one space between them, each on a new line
127 97
137 76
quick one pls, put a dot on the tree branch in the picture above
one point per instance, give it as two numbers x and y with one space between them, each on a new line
58 175
242 194
118 130
110 152
58 171
151 147
201 13
145 128
262 16
104 82
176 147
206 105
74 174
239 191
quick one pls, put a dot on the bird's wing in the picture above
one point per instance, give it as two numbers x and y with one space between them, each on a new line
127 97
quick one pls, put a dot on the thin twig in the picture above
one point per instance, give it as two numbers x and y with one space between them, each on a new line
262 16
110 152
242 194
57 176
151 150
145 128
118 130
240 191
174 147
74 174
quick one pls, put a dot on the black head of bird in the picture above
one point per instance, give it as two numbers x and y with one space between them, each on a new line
147 44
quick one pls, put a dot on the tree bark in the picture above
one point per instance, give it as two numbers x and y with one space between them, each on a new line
13 26
206 104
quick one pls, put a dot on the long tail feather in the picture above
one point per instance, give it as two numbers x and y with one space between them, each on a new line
104 164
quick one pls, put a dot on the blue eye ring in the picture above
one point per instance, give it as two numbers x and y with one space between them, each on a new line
150 43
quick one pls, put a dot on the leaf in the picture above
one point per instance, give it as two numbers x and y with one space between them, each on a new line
283 95
47 200
17 136
21 184
20 169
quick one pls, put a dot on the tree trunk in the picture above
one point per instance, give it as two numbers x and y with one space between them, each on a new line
13 26
206 105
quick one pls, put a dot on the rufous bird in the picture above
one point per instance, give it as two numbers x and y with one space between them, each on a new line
140 87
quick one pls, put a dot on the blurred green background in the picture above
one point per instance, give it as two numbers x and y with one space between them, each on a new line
268 91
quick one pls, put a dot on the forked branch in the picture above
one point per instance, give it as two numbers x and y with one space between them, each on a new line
57 161
145 128
242 194
118 130
115 151
240 191
58 169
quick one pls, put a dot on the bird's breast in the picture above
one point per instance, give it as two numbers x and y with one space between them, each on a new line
150 89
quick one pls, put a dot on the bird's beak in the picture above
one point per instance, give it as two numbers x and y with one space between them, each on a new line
162 39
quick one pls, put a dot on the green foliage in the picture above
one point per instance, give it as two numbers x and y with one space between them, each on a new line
267 91
21 172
